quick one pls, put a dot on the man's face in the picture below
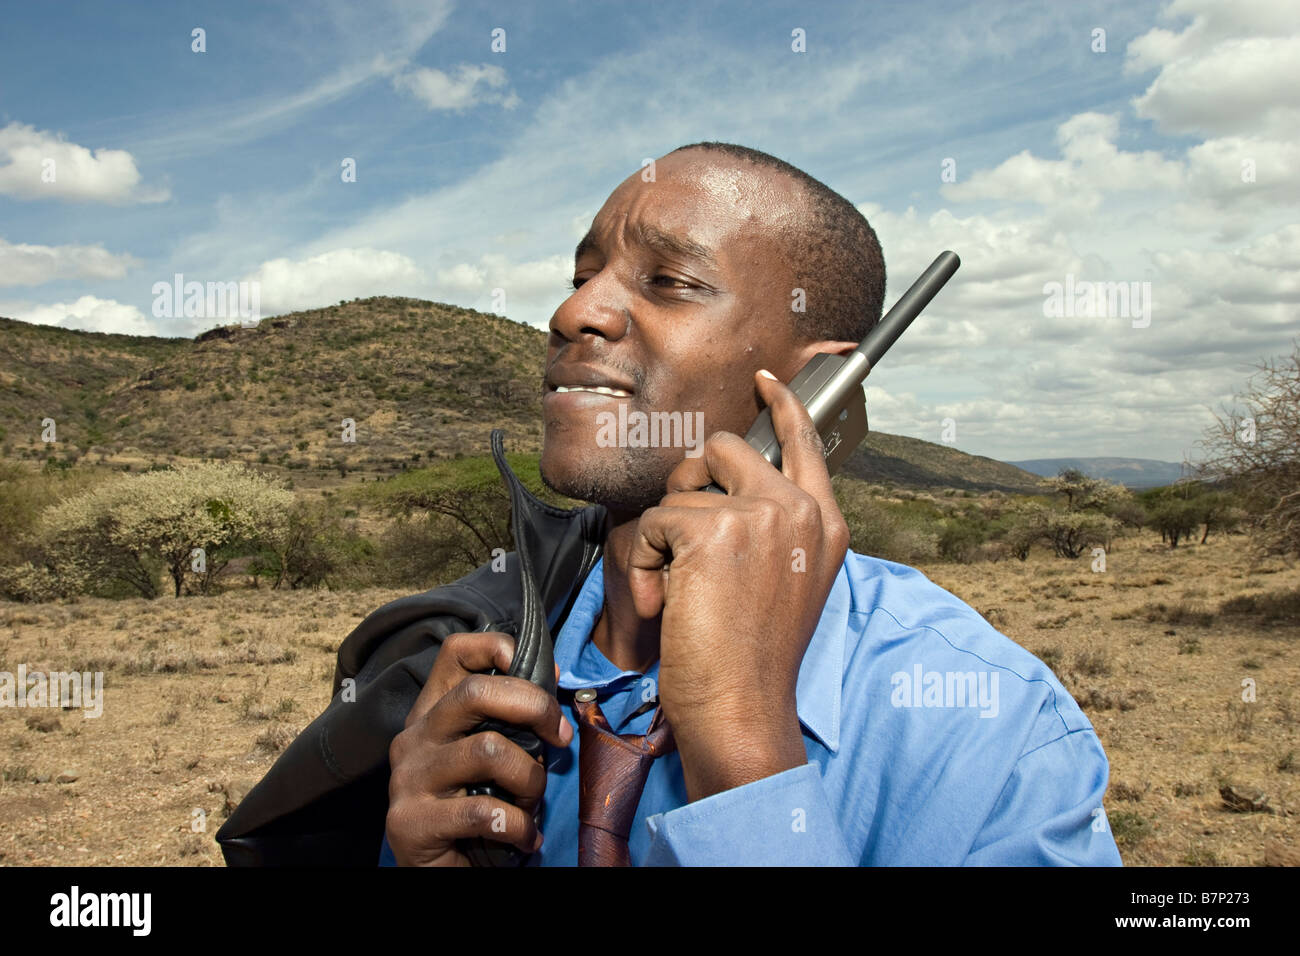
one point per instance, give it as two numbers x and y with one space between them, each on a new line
683 293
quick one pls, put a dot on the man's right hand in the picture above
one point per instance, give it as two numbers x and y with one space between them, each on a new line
433 760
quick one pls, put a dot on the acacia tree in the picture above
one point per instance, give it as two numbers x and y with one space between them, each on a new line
1217 511
1084 493
469 493
1257 446
124 529
1025 528
1175 519
1070 533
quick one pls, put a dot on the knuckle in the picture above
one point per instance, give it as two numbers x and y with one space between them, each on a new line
808 435
488 747
395 821
476 813
400 781
717 441
476 688
398 748
767 519
807 512
402 821
455 642
732 524
545 703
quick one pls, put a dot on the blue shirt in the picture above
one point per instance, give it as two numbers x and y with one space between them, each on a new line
932 739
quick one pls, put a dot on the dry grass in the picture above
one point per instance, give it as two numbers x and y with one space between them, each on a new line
1149 651
201 695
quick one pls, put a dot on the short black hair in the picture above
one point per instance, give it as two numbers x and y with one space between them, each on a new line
835 256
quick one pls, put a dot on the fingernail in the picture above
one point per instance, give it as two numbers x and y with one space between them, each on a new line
537 844
566 730
766 374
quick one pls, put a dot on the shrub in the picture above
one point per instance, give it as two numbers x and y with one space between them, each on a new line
961 537
123 532
1070 533
903 534
1175 519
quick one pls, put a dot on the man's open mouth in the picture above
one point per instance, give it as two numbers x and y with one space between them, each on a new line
597 389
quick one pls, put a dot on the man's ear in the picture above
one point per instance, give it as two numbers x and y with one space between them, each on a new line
805 354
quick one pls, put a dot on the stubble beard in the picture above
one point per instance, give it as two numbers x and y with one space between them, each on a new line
625 480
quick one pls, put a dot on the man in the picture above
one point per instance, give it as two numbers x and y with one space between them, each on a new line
821 706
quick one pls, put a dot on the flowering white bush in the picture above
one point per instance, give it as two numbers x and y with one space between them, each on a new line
127 528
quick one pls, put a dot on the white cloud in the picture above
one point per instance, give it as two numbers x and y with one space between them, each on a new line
1092 166
532 288
1265 272
1005 260
23 264
470 86
289 285
1231 70
1211 21
535 282
462 279
1022 384
1245 172
1241 85
35 164
90 314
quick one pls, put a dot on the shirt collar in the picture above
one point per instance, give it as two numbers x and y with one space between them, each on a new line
817 692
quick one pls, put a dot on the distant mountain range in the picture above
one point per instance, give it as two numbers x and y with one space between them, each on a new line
1130 472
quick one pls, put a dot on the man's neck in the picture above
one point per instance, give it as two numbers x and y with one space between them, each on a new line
627 642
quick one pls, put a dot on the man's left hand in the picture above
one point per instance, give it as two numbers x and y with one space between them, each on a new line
741 581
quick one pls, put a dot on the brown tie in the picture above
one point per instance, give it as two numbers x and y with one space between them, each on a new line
612 771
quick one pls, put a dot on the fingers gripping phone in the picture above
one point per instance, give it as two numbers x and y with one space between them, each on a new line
830 387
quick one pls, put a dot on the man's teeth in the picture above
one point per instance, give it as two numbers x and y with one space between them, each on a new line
598 389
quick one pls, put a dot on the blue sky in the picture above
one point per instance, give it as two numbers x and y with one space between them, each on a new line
479 170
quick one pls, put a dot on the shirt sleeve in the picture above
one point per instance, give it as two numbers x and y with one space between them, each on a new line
1050 811
781 820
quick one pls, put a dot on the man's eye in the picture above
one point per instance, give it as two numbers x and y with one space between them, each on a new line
575 283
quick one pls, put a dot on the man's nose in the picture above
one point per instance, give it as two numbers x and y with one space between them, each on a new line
597 307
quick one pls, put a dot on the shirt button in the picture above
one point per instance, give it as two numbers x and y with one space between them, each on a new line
584 695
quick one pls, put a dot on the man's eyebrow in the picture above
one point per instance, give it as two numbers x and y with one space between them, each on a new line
585 244
657 239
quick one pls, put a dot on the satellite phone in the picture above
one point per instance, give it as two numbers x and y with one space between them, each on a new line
830 387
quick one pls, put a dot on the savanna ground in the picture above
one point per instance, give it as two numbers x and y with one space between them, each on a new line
202 693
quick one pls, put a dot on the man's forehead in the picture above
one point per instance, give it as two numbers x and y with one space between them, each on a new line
696 208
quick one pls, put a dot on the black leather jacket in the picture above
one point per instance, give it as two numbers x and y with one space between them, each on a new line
324 801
